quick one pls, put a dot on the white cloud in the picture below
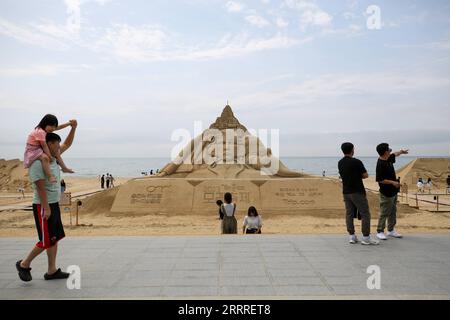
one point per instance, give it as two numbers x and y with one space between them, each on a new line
436 45
131 43
349 31
339 85
310 13
233 6
28 35
257 21
242 45
315 18
73 23
102 2
42 70
151 43
281 23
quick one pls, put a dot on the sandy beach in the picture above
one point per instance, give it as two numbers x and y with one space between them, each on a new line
96 219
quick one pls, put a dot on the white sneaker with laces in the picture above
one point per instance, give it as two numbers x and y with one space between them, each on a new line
381 236
368 241
394 234
353 239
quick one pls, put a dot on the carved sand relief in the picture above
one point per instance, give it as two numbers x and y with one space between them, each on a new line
150 195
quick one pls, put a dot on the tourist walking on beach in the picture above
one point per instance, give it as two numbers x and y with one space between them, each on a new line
352 172
102 181
229 222
389 188
252 222
46 210
108 180
111 181
420 185
63 186
429 185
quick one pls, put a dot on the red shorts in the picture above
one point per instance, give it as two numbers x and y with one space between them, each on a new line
49 231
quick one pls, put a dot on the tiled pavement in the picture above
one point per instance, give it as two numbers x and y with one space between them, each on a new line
222 267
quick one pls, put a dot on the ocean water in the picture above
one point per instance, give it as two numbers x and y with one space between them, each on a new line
133 167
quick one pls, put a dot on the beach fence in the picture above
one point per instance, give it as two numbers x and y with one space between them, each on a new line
435 202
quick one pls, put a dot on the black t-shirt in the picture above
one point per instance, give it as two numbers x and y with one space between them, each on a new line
351 171
386 171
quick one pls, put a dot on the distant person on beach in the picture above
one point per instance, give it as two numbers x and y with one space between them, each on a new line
323 173
429 185
108 181
352 172
37 148
63 186
252 222
151 172
102 181
420 185
448 182
389 188
111 180
22 191
229 222
46 209
219 204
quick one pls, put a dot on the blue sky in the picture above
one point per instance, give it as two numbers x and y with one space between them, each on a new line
134 71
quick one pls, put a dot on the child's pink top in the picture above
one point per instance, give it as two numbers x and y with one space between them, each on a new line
36 136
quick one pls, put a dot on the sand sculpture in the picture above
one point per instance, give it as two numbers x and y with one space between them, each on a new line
13 176
237 169
437 169
192 185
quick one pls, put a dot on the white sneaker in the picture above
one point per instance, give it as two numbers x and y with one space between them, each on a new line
381 236
394 234
368 241
353 239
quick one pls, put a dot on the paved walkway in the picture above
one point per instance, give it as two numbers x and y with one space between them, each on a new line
260 267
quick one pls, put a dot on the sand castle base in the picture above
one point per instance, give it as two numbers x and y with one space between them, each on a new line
187 196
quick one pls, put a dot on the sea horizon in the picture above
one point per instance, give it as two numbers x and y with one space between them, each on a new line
135 166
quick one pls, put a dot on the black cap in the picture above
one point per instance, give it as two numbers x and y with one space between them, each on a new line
382 148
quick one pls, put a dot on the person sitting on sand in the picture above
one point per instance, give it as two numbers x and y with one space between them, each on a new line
37 148
252 222
229 222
